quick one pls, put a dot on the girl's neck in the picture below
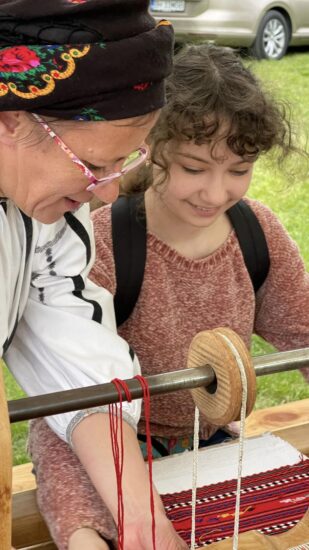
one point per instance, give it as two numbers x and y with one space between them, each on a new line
189 241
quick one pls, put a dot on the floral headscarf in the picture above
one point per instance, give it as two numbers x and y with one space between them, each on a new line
83 59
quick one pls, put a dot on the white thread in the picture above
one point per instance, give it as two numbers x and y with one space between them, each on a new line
194 473
241 435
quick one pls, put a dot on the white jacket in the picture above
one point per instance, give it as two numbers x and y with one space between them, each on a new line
57 328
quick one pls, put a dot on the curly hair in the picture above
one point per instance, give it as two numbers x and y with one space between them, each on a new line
213 96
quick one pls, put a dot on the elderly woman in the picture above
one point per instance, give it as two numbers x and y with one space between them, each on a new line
81 84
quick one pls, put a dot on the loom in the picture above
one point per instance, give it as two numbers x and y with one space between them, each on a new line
213 377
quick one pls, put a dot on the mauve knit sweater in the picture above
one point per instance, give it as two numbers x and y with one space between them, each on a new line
180 297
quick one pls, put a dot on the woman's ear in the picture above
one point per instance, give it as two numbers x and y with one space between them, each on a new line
10 122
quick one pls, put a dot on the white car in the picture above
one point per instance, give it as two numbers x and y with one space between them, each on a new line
266 27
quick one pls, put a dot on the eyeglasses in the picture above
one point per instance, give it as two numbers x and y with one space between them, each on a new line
132 161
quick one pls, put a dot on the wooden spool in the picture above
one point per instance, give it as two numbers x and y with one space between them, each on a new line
294 538
218 348
5 471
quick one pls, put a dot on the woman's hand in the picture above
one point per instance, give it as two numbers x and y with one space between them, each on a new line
139 535
233 428
98 461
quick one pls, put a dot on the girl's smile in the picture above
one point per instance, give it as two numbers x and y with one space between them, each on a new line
187 210
203 211
204 181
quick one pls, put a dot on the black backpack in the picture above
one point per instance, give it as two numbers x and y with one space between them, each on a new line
129 234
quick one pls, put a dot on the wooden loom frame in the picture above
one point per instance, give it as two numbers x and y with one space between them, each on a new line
5 500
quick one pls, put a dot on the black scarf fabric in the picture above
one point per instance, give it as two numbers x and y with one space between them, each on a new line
83 59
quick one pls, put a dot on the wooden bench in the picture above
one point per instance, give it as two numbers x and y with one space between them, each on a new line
28 527
289 421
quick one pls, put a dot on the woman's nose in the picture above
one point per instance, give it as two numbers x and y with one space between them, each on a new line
109 192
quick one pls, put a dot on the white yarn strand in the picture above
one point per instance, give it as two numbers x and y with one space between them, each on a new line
194 473
304 546
241 435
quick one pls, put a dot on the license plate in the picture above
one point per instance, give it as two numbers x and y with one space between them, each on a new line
167 5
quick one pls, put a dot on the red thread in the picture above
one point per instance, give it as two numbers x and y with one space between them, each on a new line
146 394
118 452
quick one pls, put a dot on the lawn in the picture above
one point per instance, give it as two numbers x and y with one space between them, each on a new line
286 195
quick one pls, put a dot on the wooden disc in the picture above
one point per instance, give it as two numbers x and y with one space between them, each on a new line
219 348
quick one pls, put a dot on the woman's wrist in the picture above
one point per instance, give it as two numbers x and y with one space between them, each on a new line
138 510
139 534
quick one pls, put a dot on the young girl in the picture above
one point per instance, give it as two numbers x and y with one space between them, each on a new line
216 124
81 85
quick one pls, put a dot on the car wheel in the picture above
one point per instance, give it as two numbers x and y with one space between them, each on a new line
272 38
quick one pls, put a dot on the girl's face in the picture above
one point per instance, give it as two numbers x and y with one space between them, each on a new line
201 188
43 181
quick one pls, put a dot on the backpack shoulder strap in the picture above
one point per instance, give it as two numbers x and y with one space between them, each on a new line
129 235
252 242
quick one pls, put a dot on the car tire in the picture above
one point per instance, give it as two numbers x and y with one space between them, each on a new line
272 38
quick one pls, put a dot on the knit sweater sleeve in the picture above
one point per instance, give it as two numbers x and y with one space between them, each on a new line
282 304
103 271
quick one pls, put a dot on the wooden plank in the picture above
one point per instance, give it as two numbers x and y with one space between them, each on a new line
297 436
5 470
28 526
44 546
289 421
279 417
23 478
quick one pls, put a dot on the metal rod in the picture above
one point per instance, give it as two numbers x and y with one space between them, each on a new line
103 394
281 361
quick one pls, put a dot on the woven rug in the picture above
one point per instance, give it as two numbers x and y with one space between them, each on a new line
271 502
220 463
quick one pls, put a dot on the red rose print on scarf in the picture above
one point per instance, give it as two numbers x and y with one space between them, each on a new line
18 59
141 87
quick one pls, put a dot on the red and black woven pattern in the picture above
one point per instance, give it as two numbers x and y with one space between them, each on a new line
271 502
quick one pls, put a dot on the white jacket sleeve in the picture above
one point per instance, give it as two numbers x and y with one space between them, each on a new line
67 335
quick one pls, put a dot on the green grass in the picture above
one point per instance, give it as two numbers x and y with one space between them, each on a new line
19 430
289 78
288 198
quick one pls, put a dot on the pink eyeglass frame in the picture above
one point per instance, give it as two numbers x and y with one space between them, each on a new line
95 182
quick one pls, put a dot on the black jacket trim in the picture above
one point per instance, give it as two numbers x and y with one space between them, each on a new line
29 232
79 229
79 286
8 341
